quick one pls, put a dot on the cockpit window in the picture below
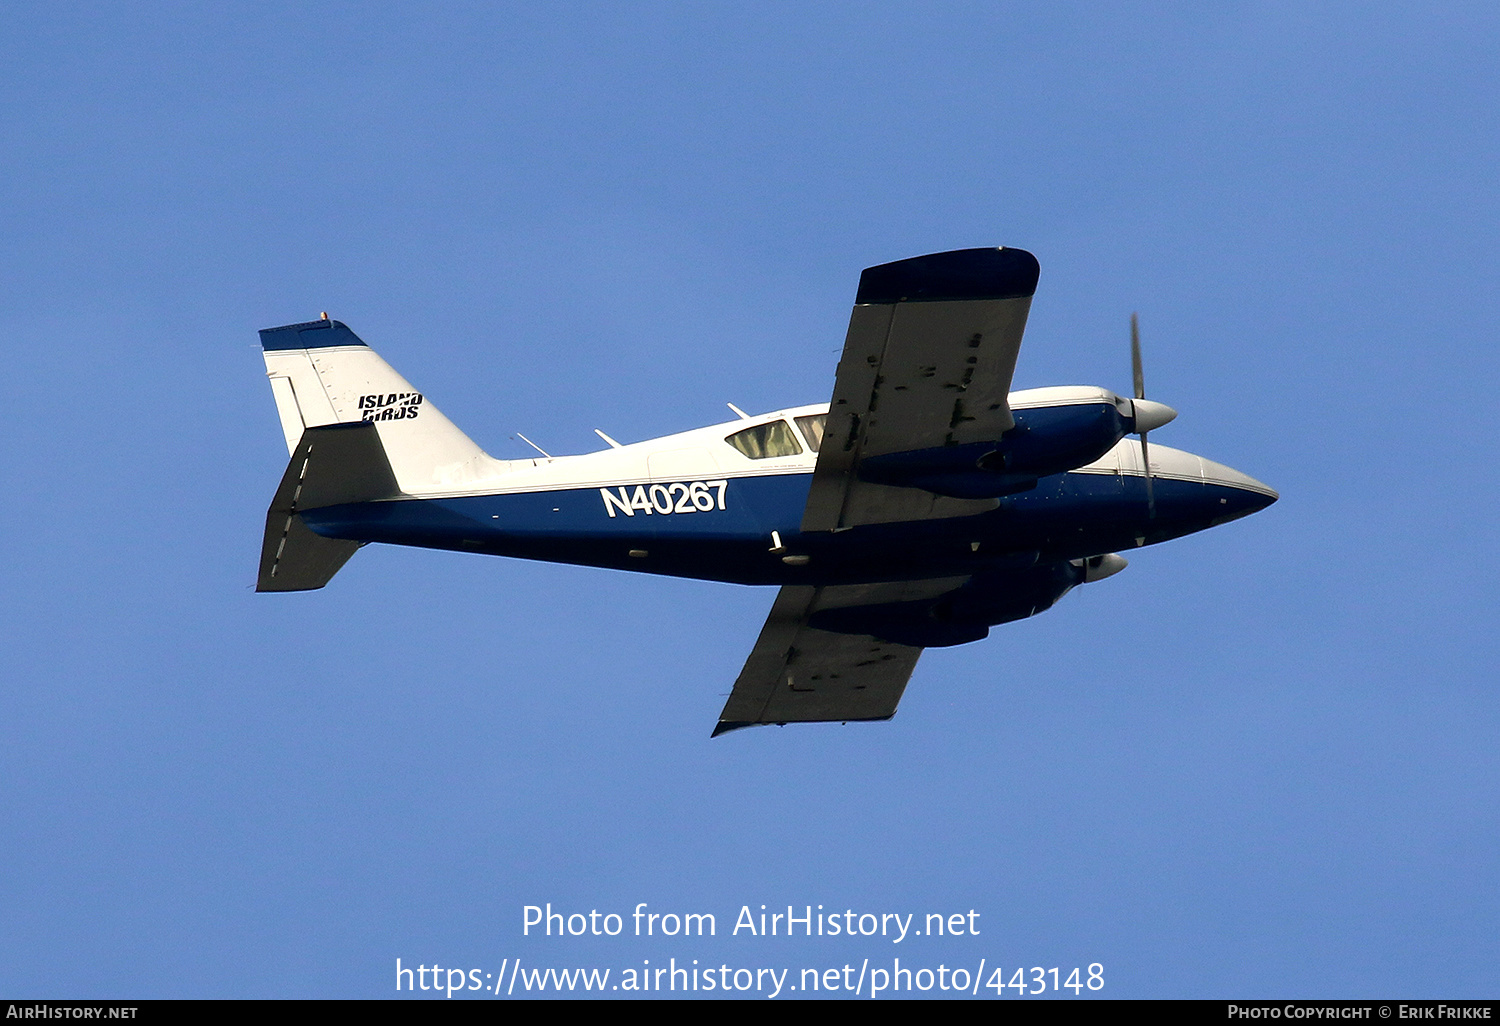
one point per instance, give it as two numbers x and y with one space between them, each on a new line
766 440
812 430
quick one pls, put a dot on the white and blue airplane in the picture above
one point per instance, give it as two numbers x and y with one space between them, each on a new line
921 506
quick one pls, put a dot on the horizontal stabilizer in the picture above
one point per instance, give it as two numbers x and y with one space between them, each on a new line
293 558
331 465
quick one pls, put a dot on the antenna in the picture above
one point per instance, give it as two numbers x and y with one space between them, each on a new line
611 441
529 442
736 409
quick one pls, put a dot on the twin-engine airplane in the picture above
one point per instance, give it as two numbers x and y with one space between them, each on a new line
923 505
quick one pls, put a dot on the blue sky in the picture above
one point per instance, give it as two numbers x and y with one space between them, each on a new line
1260 762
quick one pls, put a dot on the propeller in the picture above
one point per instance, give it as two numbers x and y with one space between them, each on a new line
1148 414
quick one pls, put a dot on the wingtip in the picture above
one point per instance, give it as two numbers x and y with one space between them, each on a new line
725 726
962 274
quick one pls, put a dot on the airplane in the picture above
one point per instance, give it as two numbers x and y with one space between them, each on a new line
922 505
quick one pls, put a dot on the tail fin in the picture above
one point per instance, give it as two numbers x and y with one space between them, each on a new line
322 373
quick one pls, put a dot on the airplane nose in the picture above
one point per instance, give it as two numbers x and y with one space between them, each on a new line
1252 495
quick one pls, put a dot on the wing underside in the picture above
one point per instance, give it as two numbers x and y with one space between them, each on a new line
845 652
798 673
927 364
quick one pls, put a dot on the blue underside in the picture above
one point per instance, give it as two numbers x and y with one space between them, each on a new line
1067 516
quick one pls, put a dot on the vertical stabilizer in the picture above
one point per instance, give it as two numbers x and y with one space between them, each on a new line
322 373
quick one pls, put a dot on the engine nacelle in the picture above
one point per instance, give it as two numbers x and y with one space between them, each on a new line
967 613
1097 568
1048 438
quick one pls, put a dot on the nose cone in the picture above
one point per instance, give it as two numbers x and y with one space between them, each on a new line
1151 415
1242 494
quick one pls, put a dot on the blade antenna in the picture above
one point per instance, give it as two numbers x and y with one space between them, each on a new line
1138 375
538 448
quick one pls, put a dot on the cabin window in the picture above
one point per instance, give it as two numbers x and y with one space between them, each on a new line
812 430
766 440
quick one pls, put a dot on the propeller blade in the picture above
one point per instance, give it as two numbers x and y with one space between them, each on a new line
1150 492
1139 374
1135 358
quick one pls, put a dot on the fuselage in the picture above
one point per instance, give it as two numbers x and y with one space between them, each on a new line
726 502
925 504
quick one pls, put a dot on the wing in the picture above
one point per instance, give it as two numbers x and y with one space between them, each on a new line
800 673
927 363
